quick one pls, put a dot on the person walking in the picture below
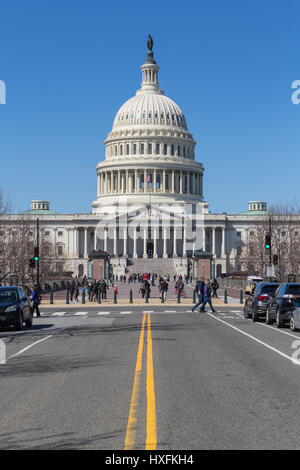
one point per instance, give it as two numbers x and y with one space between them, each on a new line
215 287
207 297
164 288
200 293
76 293
103 287
35 301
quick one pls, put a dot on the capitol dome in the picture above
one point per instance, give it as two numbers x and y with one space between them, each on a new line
149 149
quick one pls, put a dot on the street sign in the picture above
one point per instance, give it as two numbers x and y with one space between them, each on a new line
270 271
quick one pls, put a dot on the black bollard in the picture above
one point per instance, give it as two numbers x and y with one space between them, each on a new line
147 296
225 296
130 297
67 297
83 297
162 297
241 296
99 296
51 297
178 296
194 296
115 296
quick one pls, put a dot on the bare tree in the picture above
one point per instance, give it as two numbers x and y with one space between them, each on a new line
283 224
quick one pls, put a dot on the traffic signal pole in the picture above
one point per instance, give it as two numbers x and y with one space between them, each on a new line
270 250
38 250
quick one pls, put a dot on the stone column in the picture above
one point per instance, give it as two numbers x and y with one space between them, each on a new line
154 181
165 254
174 242
145 242
76 237
164 181
155 242
135 181
115 242
184 241
86 243
180 182
203 239
99 185
95 240
105 239
127 186
134 244
173 181
119 182
125 242
194 184
214 241
223 249
188 190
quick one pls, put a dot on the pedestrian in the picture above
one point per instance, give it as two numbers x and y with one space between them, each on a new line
71 291
76 293
207 297
164 289
103 287
200 293
215 287
35 299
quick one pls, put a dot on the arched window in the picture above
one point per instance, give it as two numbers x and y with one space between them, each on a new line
165 149
134 149
121 149
178 150
142 149
172 150
127 149
157 149
149 149
184 151
116 150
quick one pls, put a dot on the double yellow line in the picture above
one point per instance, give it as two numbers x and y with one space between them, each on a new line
151 433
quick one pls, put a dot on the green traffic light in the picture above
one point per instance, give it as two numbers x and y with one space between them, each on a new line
267 247
36 258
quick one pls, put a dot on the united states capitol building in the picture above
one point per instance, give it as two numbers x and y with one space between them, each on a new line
150 212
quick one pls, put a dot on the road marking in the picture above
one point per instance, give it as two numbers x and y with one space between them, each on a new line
58 314
294 361
30 346
148 311
170 311
124 313
278 330
80 313
151 437
132 419
103 313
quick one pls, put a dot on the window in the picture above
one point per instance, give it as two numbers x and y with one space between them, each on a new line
60 234
239 234
134 149
239 251
165 149
150 149
155 115
168 116
116 150
127 149
121 149
47 233
162 116
172 150
150 116
184 151
157 149
59 250
178 150
142 149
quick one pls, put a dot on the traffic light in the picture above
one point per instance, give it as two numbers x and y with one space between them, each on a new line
268 242
36 253
275 259
32 263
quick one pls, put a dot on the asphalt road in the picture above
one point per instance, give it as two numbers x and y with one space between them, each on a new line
163 378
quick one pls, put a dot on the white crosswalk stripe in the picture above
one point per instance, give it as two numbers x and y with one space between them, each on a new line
58 314
103 313
80 313
124 313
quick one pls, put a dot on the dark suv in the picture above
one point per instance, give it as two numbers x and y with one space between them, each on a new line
283 303
257 300
15 307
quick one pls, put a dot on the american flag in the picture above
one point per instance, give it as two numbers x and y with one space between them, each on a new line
148 179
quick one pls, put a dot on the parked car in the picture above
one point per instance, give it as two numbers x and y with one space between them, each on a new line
285 300
15 307
295 319
258 299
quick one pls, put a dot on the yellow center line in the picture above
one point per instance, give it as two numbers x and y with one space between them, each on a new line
151 438
132 419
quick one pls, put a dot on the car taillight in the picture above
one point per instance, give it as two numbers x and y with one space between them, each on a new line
263 297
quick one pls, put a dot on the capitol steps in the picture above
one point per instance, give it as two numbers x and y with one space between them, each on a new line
164 267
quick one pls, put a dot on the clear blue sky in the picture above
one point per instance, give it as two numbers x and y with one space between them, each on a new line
70 64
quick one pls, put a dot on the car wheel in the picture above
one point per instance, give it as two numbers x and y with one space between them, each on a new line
269 321
28 322
254 315
292 324
19 325
246 315
279 322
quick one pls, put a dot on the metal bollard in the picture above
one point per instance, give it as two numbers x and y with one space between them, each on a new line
194 296
241 296
178 296
225 296
130 297
147 296
162 297
83 297
51 297
115 296
99 296
67 297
